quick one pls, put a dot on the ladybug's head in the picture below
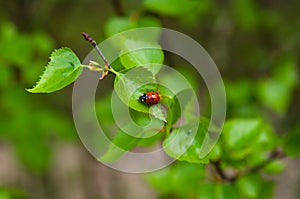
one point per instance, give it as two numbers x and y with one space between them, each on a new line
143 98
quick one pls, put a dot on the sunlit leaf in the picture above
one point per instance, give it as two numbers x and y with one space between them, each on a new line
274 95
242 137
170 7
141 53
119 24
185 143
250 185
253 186
63 69
181 178
218 191
275 167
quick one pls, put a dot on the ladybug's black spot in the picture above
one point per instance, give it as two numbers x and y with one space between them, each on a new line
143 98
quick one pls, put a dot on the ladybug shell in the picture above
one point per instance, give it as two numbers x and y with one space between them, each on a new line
150 98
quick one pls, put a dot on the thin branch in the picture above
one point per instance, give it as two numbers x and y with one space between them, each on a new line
93 42
276 154
223 176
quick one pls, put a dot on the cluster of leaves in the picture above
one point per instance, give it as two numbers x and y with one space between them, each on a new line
12 193
248 146
20 61
64 67
243 151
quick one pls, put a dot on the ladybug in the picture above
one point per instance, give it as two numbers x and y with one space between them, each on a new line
150 98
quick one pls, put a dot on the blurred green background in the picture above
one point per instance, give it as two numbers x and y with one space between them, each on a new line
255 45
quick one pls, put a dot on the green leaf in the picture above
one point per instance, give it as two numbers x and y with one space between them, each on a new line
121 143
185 98
275 167
129 137
250 186
238 132
63 69
243 137
181 178
291 143
267 191
150 140
218 191
274 95
4 195
247 14
276 92
216 152
131 84
286 71
253 186
170 7
238 92
185 143
119 24
141 53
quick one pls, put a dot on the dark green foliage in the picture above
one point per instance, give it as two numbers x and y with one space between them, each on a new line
259 45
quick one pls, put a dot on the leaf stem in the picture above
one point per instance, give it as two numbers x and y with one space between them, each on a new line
114 72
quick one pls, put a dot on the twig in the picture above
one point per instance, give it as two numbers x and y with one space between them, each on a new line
276 154
93 42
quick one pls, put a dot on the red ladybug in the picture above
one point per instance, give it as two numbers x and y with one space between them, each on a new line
150 98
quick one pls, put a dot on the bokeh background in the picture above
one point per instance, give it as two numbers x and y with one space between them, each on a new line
255 45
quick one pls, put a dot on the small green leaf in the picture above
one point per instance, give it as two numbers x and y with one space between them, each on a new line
238 133
218 191
185 143
287 72
141 53
216 153
4 195
292 142
274 95
247 14
276 92
275 167
253 186
243 137
267 191
63 69
119 24
250 186
181 178
170 7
